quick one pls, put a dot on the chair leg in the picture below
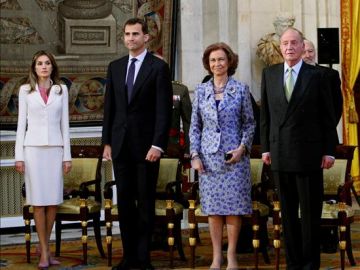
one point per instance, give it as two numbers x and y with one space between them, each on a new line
264 241
277 243
109 240
192 232
255 241
197 234
349 246
84 240
27 239
342 238
58 237
170 218
97 232
178 240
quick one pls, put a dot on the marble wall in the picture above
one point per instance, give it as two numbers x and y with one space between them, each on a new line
241 23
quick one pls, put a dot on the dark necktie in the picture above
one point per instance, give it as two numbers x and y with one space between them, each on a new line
130 78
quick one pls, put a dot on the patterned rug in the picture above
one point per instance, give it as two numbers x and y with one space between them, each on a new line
13 256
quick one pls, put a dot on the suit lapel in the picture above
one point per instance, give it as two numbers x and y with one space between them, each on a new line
210 101
229 95
144 71
53 94
120 69
277 93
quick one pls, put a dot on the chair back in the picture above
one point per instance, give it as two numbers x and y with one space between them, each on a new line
339 174
83 169
256 169
335 177
168 171
86 166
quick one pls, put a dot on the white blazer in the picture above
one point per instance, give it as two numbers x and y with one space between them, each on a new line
41 124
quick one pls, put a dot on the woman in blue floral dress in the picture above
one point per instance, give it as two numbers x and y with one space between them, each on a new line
222 122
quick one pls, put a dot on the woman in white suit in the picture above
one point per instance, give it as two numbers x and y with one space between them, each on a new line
42 149
221 133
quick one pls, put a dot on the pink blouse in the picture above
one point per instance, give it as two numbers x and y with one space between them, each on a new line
43 93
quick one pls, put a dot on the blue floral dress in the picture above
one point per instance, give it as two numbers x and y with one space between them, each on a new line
225 189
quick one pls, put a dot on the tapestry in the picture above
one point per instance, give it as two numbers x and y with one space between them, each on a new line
85 78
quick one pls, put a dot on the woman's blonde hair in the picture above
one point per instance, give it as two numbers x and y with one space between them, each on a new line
54 76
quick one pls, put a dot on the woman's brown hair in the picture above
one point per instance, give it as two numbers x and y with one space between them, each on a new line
54 76
233 58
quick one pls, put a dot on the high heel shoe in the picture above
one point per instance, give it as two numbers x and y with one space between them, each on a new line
43 266
52 261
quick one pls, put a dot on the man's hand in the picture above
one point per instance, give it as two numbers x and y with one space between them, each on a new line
107 152
266 158
153 155
20 166
327 162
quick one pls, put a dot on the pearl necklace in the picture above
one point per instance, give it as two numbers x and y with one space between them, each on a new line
220 90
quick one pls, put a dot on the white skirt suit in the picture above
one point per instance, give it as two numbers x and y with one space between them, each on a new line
43 143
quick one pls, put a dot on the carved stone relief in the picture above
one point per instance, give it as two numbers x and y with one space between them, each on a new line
18 31
9 4
48 4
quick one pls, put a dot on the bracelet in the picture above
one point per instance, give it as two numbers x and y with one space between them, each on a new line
194 157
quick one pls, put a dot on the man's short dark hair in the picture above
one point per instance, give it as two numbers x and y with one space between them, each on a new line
134 21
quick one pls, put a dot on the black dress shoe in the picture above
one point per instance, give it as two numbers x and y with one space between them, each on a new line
123 265
147 266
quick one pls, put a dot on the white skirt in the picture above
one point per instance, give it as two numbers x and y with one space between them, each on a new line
44 179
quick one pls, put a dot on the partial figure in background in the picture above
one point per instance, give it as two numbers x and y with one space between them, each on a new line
268 48
309 56
221 133
42 149
179 144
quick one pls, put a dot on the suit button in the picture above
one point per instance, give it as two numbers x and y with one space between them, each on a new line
218 130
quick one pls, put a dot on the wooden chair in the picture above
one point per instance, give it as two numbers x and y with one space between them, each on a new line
82 198
168 211
258 220
337 206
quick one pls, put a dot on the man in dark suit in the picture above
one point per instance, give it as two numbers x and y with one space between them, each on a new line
137 112
309 57
298 138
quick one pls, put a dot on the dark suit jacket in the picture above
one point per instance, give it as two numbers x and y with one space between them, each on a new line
297 134
335 84
146 119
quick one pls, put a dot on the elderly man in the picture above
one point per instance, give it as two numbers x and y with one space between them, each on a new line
309 56
298 139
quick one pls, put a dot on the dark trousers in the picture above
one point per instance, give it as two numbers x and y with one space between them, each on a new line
301 235
136 187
